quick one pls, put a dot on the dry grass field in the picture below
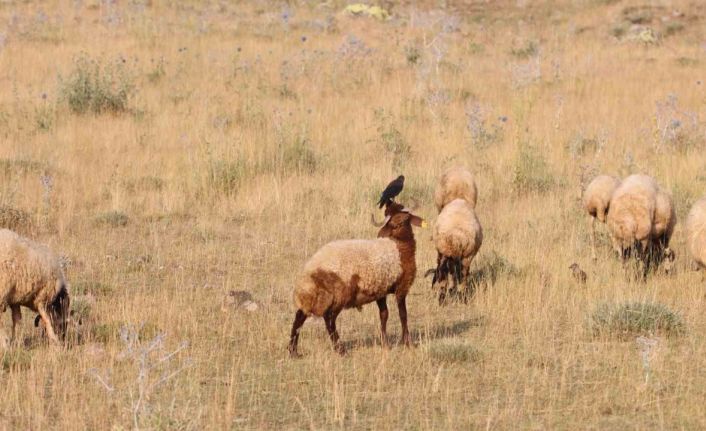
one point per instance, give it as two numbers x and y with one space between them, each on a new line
173 151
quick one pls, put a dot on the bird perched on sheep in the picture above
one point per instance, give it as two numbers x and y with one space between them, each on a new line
391 191
455 183
641 220
696 232
31 276
351 273
596 201
458 236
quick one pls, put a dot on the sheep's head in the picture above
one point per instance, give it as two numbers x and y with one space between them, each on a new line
398 222
59 312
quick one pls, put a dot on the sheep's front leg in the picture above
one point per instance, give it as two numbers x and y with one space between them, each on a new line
382 305
330 319
402 307
16 317
47 325
299 319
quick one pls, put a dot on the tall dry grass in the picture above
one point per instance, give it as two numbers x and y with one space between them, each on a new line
253 133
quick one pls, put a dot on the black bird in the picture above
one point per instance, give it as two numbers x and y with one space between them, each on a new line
391 191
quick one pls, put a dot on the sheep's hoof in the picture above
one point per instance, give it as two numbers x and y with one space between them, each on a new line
293 354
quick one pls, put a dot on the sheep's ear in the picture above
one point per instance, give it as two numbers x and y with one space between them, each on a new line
417 221
36 320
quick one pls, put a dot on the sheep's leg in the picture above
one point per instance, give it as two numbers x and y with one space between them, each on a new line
47 325
299 319
16 317
402 307
384 313
330 320
592 223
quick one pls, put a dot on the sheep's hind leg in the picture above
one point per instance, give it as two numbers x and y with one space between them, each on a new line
330 320
16 317
299 319
47 325
384 313
402 307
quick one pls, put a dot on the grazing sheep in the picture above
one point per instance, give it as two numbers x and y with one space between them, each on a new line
351 273
641 220
631 215
457 236
455 183
596 201
31 276
696 233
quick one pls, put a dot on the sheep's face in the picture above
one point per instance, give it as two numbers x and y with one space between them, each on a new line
59 312
399 225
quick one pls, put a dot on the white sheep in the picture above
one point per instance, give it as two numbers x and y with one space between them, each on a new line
596 201
696 232
31 276
351 273
455 183
458 236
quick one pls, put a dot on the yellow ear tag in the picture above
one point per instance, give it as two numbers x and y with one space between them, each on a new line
424 224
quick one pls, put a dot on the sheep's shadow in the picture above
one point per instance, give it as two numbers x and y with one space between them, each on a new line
418 334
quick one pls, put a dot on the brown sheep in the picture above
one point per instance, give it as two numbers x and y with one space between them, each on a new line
351 273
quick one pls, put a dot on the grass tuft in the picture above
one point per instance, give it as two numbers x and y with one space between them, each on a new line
635 318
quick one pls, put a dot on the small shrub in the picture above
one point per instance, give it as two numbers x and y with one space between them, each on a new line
156 74
107 332
580 145
635 318
16 360
619 30
93 287
299 156
687 62
672 28
226 176
491 268
453 352
113 219
637 15
96 88
44 118
412 55
392 141
16 167
531 172
529 49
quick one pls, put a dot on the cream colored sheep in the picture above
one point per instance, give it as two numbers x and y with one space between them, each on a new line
455 183
458 236
642 219
596 201
351 273
31 276
665 219
696 233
